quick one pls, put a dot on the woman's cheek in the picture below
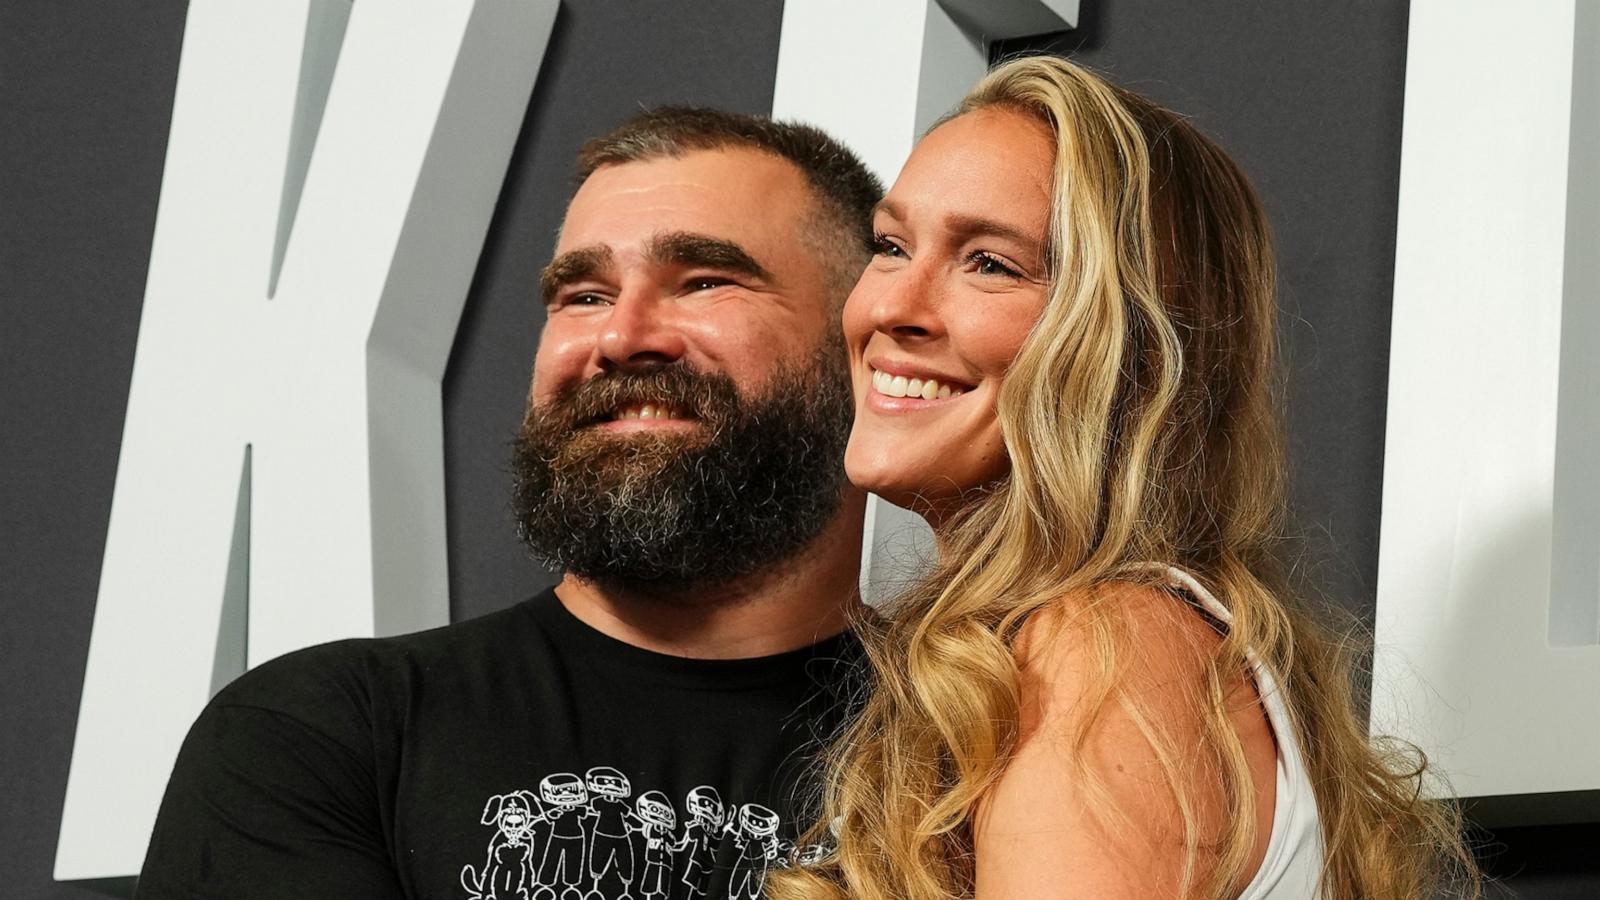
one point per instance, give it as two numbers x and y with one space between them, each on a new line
984 461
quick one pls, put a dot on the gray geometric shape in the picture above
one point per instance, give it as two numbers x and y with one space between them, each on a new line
233 626
1575 515
324 36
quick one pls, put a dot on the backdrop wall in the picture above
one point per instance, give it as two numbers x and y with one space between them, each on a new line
1306 95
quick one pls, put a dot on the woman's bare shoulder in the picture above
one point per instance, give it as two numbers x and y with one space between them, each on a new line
1160 640
1087 807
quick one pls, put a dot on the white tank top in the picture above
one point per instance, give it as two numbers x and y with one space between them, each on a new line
1294 853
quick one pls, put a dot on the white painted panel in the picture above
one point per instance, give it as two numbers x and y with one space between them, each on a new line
876 76
284 452
1495 247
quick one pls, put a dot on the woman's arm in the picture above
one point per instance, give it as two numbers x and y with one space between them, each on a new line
1040 834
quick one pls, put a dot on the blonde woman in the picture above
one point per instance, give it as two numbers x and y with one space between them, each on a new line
1063 358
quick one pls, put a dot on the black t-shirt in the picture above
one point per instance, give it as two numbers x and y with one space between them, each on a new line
519 756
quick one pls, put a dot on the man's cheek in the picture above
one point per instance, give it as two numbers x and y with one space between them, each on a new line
550 380
562 357
745 347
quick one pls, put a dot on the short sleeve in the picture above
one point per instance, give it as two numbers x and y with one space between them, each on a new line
270 802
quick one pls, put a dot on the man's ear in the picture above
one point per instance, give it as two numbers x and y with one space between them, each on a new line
492 810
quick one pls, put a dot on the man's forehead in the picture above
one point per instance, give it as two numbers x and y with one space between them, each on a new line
736 187
726 165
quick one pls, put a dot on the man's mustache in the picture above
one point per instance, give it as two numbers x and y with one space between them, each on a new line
711 398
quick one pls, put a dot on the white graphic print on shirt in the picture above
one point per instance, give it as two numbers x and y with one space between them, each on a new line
575 841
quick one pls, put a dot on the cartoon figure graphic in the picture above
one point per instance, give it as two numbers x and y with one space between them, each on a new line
828 845
812 854
816 854
610 847
783 857
508 872
758 849
660 820
700 836
560 873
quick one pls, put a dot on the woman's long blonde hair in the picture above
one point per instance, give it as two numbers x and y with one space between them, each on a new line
1142 425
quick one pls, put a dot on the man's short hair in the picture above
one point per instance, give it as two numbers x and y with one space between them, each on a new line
846 191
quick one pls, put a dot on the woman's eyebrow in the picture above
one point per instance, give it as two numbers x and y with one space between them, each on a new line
967 225
971 226
687 248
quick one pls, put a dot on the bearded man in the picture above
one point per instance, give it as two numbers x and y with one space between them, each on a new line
680 462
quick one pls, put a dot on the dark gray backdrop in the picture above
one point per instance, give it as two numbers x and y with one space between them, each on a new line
1306 94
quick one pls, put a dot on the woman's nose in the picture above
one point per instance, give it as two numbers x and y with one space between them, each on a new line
639 333
903 302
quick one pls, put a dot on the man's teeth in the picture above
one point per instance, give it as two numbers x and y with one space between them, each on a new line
649 411
901 386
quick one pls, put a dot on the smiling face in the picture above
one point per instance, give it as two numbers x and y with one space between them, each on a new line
700 260
957 282
690 400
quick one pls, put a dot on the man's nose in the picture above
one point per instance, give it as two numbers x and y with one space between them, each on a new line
639 333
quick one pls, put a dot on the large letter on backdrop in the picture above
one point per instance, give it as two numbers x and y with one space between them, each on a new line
876 75
330 175
1488 620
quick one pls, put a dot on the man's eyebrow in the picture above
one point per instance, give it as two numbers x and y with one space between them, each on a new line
574 265
686 248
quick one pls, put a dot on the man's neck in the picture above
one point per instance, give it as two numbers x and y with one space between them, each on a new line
788 605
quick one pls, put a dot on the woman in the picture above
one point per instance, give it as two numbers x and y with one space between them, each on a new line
1063 358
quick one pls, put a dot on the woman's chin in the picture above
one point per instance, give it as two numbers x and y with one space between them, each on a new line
906 490
905 475
880 471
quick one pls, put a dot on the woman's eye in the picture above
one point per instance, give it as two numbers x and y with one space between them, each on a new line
882 246
984 264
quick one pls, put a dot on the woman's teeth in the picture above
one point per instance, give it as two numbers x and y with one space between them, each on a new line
901 386
649 411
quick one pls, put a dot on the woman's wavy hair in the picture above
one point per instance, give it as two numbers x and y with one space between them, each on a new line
1142 425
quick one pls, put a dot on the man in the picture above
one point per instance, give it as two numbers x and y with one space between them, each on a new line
681 462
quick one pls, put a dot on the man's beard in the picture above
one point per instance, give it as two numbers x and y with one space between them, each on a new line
755 481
